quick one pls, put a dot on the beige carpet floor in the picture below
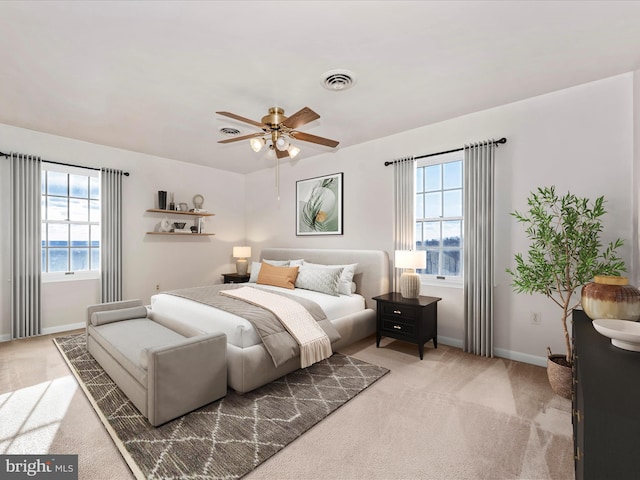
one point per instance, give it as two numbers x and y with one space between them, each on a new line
449 416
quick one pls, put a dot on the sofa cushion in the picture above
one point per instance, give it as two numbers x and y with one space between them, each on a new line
127 341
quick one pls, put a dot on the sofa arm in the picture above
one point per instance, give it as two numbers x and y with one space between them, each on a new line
185 375
103 307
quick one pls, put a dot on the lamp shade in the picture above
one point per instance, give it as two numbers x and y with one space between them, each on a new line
293 151
282 144
256 144
241 252
414 259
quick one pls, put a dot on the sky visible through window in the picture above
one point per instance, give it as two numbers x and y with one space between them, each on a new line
439 217
70 222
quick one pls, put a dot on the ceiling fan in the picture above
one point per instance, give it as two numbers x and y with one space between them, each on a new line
278 131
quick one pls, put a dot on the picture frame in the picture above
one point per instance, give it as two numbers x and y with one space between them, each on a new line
319 206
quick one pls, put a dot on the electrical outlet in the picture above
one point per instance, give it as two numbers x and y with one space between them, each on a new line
158 287
536 318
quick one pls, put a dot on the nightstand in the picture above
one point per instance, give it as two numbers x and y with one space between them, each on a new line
235 278
412 320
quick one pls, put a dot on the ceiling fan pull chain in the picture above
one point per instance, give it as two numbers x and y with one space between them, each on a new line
278 177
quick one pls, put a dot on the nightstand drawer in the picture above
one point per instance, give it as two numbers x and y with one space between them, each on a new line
395 326
399 311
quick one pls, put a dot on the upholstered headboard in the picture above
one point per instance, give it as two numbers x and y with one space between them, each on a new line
372 274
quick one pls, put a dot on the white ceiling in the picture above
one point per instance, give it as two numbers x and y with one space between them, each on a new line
149 76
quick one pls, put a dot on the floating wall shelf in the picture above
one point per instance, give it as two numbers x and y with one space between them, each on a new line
178 212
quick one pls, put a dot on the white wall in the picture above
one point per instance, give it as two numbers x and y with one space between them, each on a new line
149 260
579 139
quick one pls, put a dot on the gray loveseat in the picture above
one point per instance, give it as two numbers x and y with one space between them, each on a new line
163 373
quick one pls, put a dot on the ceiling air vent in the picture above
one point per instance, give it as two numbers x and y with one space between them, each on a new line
230 131
337 80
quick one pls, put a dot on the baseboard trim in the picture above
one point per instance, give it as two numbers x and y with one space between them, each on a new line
452 342
500 352
63 328
49 330
520 357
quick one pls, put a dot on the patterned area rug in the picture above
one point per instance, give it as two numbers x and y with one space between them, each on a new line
230 437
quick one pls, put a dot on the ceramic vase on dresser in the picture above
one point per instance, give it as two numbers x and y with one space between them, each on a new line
611 297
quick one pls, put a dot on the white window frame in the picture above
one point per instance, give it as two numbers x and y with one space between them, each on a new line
437 280
51 277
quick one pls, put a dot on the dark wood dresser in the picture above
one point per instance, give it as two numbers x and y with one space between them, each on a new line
606 405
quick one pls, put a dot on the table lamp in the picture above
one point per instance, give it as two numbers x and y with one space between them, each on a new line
410 260
241 253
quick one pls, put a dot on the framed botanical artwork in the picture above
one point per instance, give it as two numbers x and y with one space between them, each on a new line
319 205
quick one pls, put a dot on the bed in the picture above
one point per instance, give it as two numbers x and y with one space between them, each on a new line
249 364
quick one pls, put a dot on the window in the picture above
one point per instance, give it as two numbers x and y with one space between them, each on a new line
70 223
439 216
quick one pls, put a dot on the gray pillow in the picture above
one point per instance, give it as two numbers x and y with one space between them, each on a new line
345 285
109 316
319 279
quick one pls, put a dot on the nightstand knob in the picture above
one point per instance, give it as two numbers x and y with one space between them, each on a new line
397 312
397 327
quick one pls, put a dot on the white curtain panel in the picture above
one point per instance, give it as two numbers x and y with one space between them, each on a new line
478 247
404 177
111 239
26 248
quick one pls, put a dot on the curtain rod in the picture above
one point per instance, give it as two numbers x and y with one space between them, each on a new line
126 174
496 142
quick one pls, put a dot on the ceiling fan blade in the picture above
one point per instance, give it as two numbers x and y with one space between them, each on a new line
242 119
281 153
307 137
300 118
244 137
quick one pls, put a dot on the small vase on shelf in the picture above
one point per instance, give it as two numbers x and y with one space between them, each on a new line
162 199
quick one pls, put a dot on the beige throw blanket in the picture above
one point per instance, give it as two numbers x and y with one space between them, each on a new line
314 343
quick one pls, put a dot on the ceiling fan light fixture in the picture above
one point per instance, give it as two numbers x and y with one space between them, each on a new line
271 153
279 130
293 151
256 144
282 144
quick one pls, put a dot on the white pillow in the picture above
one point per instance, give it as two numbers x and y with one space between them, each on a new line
319 279
345 286
277 263
255 267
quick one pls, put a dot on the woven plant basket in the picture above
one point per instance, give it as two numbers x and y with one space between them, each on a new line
560 375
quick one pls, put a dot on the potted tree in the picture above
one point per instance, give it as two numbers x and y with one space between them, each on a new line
565 253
